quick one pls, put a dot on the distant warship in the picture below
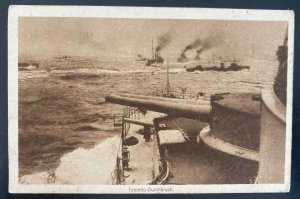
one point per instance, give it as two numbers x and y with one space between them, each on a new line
232 67
156 58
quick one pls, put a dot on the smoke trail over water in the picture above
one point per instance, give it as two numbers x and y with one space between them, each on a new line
196 43
201 45
163 41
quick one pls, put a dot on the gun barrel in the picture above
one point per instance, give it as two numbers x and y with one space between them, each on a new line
179 109
164 99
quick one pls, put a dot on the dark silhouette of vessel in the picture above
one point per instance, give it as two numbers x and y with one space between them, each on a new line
232 67
157 59
64 57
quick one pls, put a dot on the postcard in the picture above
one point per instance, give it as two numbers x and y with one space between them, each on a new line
149 100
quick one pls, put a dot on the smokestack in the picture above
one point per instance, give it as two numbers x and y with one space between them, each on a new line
199 51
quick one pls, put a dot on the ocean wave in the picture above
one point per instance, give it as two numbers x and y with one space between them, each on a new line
81 166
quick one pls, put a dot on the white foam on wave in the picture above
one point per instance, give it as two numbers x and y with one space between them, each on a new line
32 74
81 166
88 166
99 71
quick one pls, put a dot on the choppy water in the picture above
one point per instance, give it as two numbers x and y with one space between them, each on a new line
64 123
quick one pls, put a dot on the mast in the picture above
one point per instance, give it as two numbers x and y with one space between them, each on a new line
152 49
168 88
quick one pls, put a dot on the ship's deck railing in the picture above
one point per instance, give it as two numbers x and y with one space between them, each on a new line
117 176
128 112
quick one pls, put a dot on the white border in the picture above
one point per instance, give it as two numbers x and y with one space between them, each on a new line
136 12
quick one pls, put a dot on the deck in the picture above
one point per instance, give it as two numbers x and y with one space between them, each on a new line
144 156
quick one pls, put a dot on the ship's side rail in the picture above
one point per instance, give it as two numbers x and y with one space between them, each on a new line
128 112
117 176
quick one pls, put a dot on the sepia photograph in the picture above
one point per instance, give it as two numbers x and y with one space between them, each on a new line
159 102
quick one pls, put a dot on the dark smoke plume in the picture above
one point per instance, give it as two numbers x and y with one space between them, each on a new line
196 43
163 41
193 45
207 44
201 46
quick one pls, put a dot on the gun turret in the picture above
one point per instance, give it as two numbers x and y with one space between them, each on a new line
172 108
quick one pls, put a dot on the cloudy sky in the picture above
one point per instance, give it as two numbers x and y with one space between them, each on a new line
127 37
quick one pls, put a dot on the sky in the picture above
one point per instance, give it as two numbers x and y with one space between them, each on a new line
128 37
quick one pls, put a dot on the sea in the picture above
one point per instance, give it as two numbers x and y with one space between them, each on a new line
66 132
